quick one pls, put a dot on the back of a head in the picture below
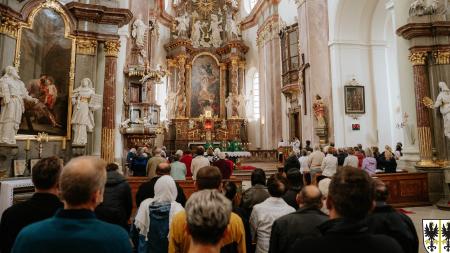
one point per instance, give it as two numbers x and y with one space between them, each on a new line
222 155
112 167
381 191
208 213
176 158
200 151
163 169
277 186
258 177
157 151
368 152
351 191
187 152
81 178
45 173
317 147
230 189
294 177
311 196
308 142
179 153
208 177
350 151
304 152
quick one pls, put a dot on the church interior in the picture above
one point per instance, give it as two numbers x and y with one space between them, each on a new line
260 82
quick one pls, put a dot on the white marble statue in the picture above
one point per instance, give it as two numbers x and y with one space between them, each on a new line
423 7
84 104
170 104
138 32
241 106
183 25
12 95
231 27
229 105
215 28
234 3
196 34
443 103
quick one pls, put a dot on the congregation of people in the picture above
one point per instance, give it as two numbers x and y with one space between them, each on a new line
86 206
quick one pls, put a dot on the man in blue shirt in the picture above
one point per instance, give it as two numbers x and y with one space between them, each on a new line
75 228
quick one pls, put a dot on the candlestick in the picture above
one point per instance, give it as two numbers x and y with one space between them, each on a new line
64 143
27 147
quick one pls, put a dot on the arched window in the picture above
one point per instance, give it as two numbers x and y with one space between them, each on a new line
255 88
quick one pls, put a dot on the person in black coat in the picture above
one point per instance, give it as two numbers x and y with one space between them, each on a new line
117 203
387 162
350 198
295 181
292 162
42 205
301 224
386 220
147 189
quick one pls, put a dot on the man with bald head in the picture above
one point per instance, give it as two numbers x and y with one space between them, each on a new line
75 228
301 224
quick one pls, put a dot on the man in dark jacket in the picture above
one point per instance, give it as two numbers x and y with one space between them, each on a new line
255 194
292 162
386 220
147 189
295 180
43 204
117 202
301 224
350 198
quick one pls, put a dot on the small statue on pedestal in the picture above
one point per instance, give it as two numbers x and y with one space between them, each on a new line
319 112
12 94
85 102
229 105
183 25
443 103
138 32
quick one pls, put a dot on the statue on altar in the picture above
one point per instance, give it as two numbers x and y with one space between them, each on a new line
170 104
183 25
85 102
12 94
196 35
319 112
231 27
229 105
242 106
443 103
138 32
216 28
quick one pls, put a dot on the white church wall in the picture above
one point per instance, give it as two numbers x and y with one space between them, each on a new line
288 11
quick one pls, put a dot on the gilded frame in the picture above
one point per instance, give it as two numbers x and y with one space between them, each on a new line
221 83
55 6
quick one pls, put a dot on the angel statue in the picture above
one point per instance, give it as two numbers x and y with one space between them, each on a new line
216 28
138 32
319 111
85 102
443 103
229 105
231 27
183 25
196 34
12 96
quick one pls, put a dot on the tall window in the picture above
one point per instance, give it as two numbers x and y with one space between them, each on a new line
289 54
255 87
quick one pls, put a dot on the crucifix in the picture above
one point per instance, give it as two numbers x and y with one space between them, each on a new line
302 76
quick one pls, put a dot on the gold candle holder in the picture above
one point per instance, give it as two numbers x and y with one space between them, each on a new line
28 144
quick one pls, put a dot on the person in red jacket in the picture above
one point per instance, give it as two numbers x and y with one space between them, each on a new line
226 169
187 160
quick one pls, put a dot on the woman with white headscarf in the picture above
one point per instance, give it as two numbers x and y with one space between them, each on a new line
155 215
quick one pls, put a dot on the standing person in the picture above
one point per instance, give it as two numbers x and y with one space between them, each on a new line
304 166
178 169
398 151
154 216
223 166
130 156
387 161
199 161
139 163
208 215
315 161
42 205
154 162
300 224
341 155
308 146
76 229
351 160
255 194
369 164
292 161
329 163
187 160
350 199
265 213
295 184
117 204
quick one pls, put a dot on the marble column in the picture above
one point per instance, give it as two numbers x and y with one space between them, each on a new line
188 88
235 84
109 100
242 77
422 90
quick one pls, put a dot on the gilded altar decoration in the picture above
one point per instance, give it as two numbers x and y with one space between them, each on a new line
442 57
418 58
86 46
112 48
9 26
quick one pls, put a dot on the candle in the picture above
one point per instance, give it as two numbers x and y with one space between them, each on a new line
63 144
27 147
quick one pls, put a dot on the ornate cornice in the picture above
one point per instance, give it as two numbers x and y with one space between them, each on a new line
431 29
418 58
112 48
178 43
100 14
252 19
9 26
442 57
86 46
269 30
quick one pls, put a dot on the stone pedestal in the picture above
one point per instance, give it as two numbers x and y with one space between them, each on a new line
322 132
435 182
444 202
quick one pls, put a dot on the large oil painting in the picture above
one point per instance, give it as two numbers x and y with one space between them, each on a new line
205 87
45 66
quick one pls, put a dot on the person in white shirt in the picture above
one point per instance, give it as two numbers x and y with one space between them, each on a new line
304 161
199 161
265 213
329 163
315 161
351 160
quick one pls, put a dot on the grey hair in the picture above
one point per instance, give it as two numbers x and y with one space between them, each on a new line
317 147
208 213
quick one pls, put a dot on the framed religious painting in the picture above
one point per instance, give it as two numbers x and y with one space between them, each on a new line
45 55
354 99
19 167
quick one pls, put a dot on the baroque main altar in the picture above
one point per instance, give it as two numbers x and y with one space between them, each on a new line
206 66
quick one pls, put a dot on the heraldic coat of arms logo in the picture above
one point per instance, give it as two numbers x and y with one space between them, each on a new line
436 235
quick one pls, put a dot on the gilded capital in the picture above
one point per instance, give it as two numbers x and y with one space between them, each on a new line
112 48
418 58
9 27
223 66
181 59
86 46
242 64
442 57
171 63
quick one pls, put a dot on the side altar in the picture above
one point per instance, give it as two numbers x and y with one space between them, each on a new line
206 66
